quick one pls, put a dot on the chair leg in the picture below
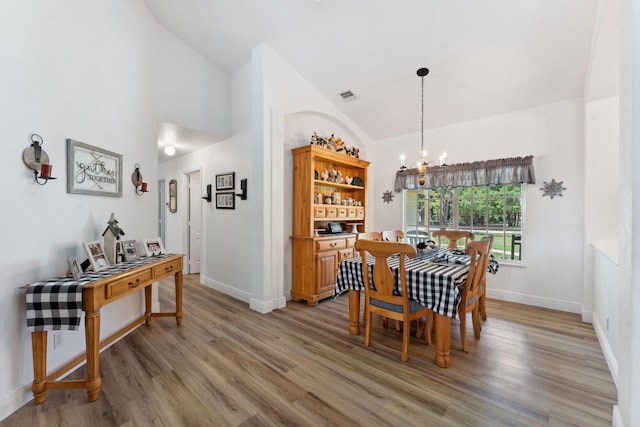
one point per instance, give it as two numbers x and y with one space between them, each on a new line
385 322
406 327
398 325
463 331
481 301
420 327
367 333
476 322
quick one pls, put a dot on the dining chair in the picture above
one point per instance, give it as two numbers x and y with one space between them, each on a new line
482 292
370 235
379 296
392 236
470 295
453 236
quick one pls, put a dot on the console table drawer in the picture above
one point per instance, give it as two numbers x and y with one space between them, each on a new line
167 268
123 286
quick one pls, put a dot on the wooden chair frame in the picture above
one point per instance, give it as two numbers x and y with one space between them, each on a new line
381 300
392 236
470 301
453 236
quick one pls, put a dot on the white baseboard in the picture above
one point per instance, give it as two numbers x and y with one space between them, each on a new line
254 304
616 418
15 401
267 306
226 289
609 355
553 304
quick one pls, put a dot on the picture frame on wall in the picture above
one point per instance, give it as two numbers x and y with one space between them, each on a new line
154 246
226 200
92 170
129 250
96 255
225 181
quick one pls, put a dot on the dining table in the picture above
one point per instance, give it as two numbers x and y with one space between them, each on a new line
434 279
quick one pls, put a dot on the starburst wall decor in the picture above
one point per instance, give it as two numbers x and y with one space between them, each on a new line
552 188
387 197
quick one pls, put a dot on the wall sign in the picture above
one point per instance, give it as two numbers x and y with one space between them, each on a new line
92 170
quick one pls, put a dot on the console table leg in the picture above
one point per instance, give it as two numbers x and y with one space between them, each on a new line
92 336
147 304
178 282
39 349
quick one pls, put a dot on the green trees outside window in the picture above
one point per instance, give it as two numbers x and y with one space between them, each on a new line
494 209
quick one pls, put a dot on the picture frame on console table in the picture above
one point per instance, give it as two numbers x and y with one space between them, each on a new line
74 268
96 255
129 250
92 170
153 246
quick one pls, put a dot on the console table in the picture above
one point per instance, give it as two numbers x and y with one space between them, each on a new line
108 286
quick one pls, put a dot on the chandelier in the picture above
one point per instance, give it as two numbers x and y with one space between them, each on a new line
422 161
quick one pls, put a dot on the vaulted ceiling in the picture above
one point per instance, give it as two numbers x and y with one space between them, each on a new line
485 57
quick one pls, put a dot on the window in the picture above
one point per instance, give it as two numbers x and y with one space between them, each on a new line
493 209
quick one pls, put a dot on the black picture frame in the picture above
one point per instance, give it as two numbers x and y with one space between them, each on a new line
226 181
226 200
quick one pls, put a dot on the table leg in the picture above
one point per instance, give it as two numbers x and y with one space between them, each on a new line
39 349
443 340
92 337
354 312
147 304
178 281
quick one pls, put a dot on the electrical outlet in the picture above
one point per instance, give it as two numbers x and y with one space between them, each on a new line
57 339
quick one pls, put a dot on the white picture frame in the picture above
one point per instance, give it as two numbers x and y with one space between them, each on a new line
92 170
74 268
96 255
129 250
153 246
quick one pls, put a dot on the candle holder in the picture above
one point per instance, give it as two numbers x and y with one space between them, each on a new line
36 159
136 179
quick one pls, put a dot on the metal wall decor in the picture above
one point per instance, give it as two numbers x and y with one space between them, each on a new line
36 159
387 197
137 180
552 188
92 170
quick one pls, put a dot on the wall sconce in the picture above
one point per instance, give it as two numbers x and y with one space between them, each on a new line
207 196
36 159
136 178
243 188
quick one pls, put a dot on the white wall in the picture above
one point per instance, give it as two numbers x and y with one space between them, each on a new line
552 272
191 91
69 70
273 109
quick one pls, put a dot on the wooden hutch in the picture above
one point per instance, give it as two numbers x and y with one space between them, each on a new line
315 256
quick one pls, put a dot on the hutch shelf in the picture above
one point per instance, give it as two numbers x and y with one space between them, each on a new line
321 196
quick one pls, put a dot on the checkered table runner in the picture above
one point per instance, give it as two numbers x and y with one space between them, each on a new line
56 304
434 285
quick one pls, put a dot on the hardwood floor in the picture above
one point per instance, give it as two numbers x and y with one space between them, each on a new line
230 366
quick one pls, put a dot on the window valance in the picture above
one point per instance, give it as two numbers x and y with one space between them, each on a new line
488 172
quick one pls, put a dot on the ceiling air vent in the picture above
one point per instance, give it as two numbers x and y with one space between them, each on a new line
348 96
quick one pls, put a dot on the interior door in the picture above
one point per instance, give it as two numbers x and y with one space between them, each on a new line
195 222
